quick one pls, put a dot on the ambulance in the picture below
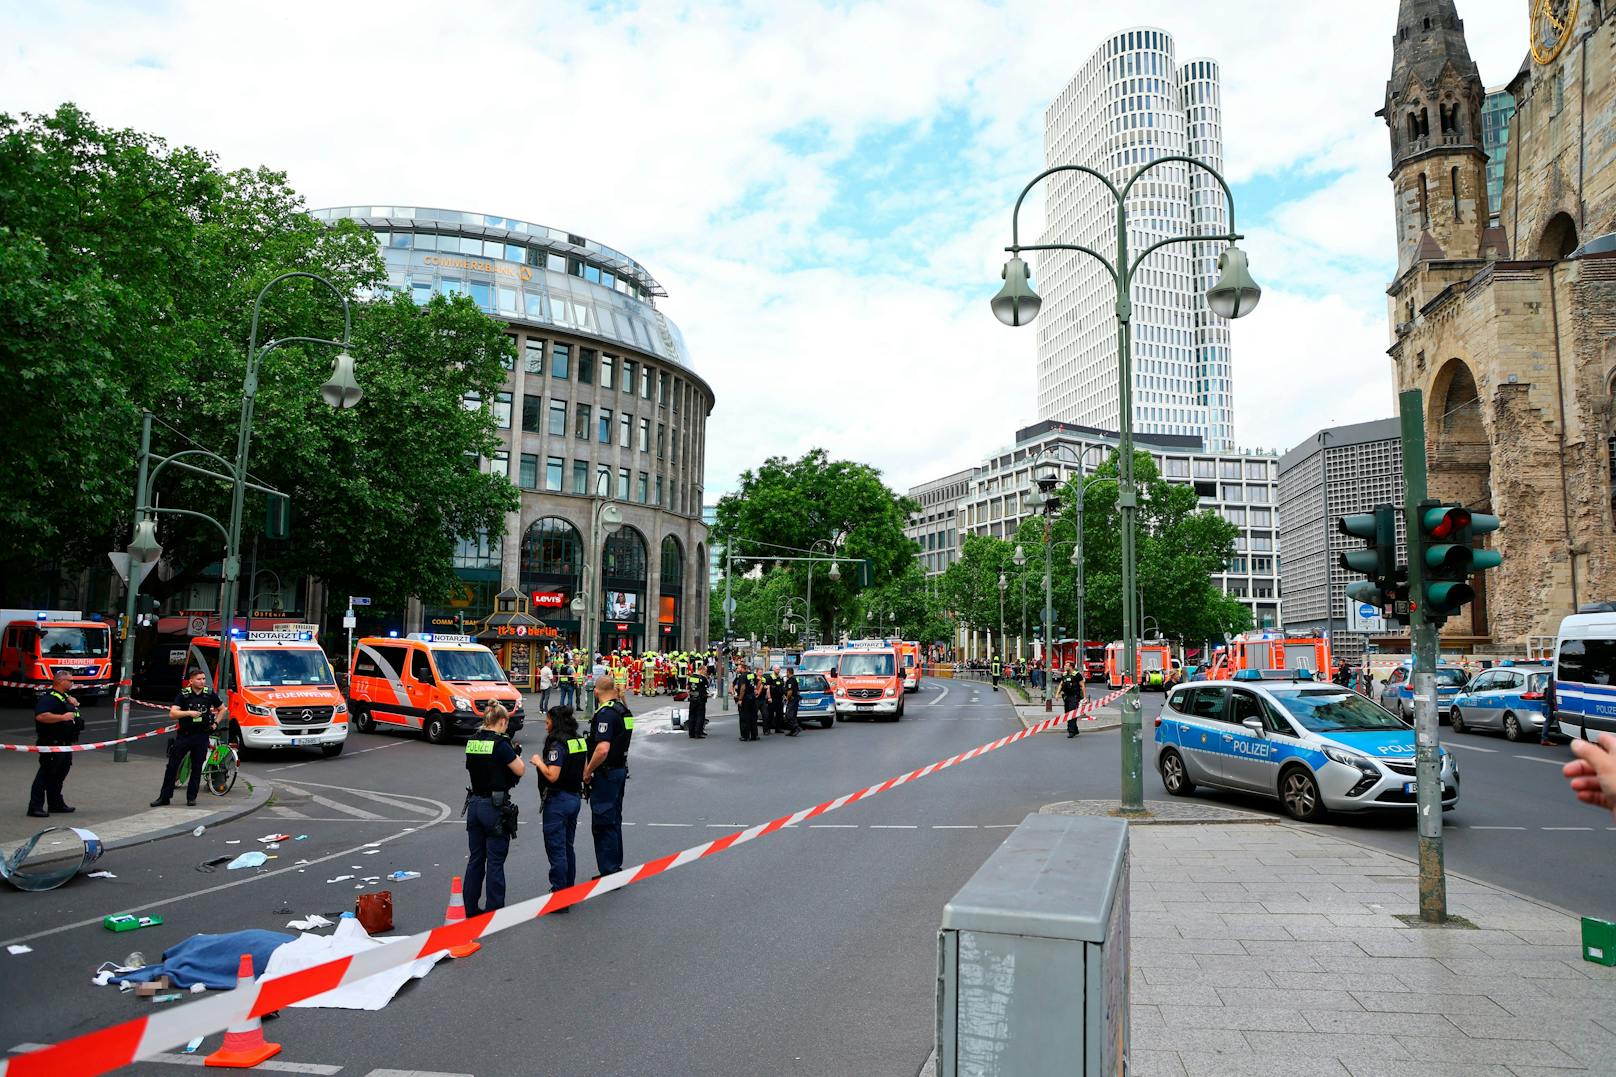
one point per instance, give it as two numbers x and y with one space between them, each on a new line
436 683
1272 650
869 681
282 694
35 643
1154 659
909 652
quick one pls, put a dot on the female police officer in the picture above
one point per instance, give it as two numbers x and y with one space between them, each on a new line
493 768
561 778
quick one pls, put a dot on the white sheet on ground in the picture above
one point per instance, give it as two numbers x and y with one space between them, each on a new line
371 993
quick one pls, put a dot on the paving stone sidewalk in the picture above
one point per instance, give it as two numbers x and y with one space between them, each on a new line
1274 949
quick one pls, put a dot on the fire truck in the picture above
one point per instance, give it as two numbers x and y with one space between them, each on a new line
1271 650
1066 652
35 643
1154 660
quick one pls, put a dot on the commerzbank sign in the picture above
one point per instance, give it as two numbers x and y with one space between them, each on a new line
502 269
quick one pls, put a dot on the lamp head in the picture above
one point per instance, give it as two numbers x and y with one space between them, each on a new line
1020 556
835 571
341 390
1016 303
144 547
611 517
1235 294
1003 583
1076 560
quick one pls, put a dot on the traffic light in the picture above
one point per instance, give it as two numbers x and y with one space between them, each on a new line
460 622
277 516
1445 534
1377 560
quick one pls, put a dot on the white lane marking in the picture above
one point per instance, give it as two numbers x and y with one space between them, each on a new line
671 824
413 1073
728 826
24 1048
943 693
1000 826
953 826
278 1067
832 826
1469 747
392 800
893 826
1566 828
280 812
357 813
443 813
1540 759
1497 828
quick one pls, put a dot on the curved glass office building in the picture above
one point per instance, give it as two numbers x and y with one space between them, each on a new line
602 395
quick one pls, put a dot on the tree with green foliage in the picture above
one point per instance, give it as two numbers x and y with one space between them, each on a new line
908 606
787 505
970 585
128 271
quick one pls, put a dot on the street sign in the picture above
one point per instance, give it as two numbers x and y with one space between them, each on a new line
350 621
121 565
729 605
358 600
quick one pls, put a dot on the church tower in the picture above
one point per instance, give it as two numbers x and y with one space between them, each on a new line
1433 112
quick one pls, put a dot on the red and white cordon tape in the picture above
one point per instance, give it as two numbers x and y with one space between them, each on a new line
143 1037
47 749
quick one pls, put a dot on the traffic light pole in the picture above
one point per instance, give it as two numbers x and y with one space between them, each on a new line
1427 758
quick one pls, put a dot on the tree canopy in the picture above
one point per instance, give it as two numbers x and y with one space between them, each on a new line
128 271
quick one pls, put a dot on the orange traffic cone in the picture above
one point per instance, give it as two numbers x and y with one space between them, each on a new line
244 1044
456 914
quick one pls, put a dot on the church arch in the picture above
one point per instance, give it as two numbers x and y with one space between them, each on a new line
1559 237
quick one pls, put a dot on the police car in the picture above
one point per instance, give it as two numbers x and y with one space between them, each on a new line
1510 698
1397 694
815 700
1314 746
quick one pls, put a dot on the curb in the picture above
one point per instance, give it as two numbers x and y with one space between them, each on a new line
262 791
1098 725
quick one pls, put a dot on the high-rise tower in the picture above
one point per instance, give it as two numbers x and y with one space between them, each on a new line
1128 105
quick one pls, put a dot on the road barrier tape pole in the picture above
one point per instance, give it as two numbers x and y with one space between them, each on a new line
48 749
144 1037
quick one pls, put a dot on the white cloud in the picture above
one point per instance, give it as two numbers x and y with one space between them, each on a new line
716 142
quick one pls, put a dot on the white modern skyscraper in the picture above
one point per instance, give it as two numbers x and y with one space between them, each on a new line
1131 104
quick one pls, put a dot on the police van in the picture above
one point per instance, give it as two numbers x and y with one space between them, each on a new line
1315 747
1585 674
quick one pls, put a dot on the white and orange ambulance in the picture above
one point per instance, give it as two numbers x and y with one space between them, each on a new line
282 692
436 683
869 681
35 644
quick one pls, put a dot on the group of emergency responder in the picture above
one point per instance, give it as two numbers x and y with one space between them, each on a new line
571 673
766 701
1070 682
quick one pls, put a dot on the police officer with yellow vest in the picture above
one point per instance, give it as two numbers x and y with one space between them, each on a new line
610 731
746 702
696 720
493 767
561 781
56 722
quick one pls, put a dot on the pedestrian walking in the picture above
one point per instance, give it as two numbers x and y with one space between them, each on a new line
1551 696
547 680
746 704
56 723
610 732
565 681
560 766
1071 687
493 766
195 710
696 719
793 696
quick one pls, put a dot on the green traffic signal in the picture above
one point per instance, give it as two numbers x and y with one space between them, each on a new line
1377 560
1447 551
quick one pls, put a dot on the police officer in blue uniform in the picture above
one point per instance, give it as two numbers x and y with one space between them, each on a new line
561 780
1071 689
195 709
493 768
610 731
696 720
56 723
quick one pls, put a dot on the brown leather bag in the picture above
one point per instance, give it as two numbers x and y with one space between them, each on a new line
375 911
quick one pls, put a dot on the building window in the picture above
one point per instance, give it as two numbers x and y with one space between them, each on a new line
561 361
628 375
658 490
603 481
1205 469
1233 493
1256 469
1453 179
587 358
622 483
1425 203
642 488
661 440
664 380
605 426
581 421
580 476
552 473
1229 469
530 412
645 435
645 382
558 418
502 410
625 430
608 367
528 475
500 464
1176 469
533 357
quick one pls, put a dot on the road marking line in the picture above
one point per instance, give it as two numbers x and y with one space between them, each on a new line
832 826
357 813
893 826
940 697
413 1073
1470 747
279 1067
729 826
1540 759
1566 828
1497 828
668 824
953 826
387 798
1000 826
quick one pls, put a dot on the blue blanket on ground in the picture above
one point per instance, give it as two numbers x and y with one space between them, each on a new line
211 960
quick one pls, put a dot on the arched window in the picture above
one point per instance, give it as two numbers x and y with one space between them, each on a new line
1453 181
673 564
1413 126
623 556
551 553
1559 238
1425 202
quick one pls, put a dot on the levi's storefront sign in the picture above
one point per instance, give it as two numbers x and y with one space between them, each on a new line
549 600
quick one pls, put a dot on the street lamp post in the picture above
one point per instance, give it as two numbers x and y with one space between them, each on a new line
1004 584
604 520
1020 559
835 572
1234 295
340 391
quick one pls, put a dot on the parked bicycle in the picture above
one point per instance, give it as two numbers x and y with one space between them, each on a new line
219 768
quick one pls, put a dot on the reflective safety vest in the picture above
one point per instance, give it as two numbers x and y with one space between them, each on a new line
997 667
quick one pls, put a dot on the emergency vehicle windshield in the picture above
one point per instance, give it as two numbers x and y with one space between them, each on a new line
468 666
283 668
818 663
1335 710
812 682
867 665
73 642
1451 678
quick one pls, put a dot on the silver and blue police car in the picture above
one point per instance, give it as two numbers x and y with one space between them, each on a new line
815 700
1509 699
1397 694
1314 746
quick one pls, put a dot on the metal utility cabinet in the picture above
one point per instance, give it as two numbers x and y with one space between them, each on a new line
1032 957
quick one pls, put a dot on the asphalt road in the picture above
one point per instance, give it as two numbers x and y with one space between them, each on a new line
811 951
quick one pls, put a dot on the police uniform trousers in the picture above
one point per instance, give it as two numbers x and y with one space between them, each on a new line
748 714
792 724
486 859
46 793
193 746
777 715
560 828
606 790
696 720
1070 702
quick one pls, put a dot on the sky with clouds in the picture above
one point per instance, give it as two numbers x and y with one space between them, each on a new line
824 189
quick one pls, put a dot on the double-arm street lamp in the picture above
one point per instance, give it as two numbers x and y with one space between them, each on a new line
1020 560
1004 585
1233 296
589 603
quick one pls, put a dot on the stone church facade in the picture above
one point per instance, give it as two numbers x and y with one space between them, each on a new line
1506 315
